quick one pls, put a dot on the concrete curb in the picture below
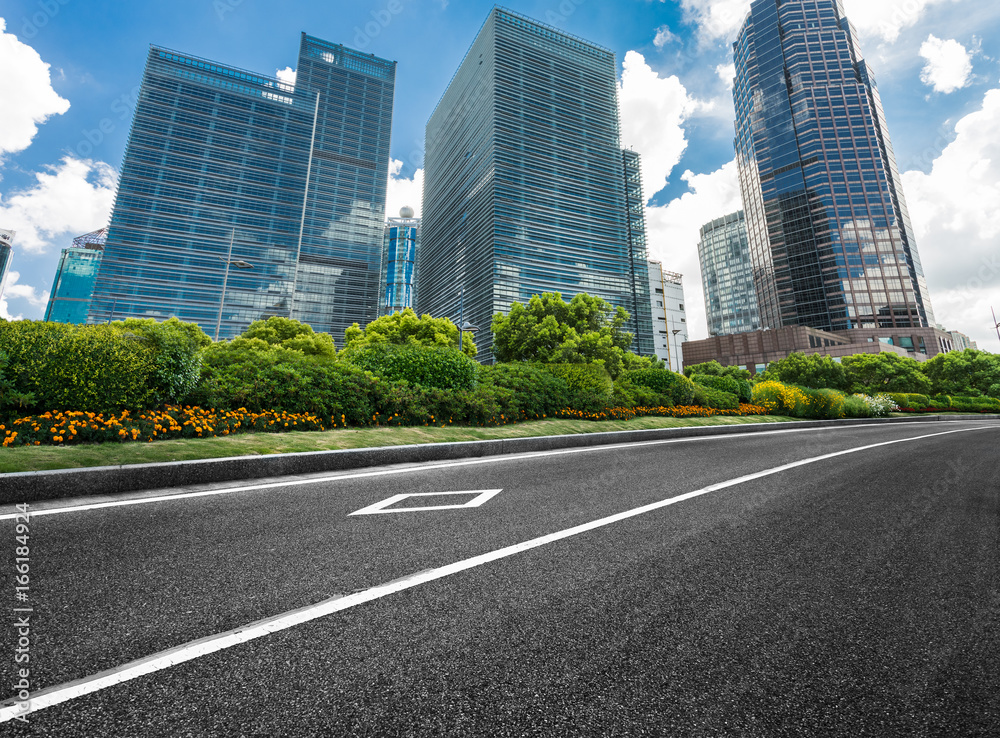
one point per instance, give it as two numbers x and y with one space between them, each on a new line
114 480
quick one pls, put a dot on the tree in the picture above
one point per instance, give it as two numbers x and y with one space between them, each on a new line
292 334
812 370
968 372
177 354
886 372
406 328
587 329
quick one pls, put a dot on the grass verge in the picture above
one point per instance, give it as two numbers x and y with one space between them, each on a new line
42 458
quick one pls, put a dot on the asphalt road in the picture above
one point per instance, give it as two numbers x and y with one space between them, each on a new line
857 595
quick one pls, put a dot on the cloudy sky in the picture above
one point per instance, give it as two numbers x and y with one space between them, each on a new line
69 71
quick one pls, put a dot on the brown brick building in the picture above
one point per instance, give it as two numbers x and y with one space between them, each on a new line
754 350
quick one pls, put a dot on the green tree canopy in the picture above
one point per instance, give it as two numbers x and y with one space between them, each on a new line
587 329
808 370
885 372
968 372
406 328
292 334
177 352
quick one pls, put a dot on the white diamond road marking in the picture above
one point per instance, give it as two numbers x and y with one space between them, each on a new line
383 507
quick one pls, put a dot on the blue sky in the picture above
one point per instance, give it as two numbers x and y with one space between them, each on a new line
69 71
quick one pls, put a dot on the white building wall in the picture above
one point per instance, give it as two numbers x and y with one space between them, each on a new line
670 328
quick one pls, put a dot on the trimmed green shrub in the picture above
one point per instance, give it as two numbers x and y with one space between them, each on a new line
855 406
723 384
715 369
88 368
176 350
677 387
941 402
807 370
536 392
708 397
824 404
427 366
975 404
253 374
590 385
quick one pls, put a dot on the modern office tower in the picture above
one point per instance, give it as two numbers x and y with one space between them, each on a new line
635 211
960 341
243 197
524 191
727 276
830 236
73 287
399 262
6 254
670 328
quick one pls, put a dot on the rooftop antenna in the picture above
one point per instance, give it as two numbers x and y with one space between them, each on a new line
995 323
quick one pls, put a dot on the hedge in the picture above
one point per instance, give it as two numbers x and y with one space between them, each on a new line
428 366
679 388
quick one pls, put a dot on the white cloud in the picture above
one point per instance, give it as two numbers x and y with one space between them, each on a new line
402 192
664 36
721 19
672 233
72 197
287 75
16 291
26 92
957 223
653 110
885 19
949 64
726 72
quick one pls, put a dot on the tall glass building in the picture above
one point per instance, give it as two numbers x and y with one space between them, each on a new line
829 233
524 188
6 254
727 276
399 262
243 197
73 286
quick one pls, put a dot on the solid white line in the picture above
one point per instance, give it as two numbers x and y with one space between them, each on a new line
212 644
419 468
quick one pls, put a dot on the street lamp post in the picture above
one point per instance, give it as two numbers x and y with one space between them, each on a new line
996 324
239 264
463 325
680 369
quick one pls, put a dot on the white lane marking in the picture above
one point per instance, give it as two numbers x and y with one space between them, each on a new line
212 644
383 507
427 467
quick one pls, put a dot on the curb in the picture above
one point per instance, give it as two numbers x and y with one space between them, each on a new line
113 480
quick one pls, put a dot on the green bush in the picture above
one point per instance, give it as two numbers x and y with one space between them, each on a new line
88 368
426 366
824 404
292 334
975 404
258 376
176 351
723 384
708 397
855 406
590 385
941 402
536 392
807 370
669 384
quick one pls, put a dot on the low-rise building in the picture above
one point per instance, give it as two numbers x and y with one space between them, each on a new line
755 350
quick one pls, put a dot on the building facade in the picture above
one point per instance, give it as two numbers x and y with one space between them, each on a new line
960 340
670 328
755 350
399 262
727 276
829 233
6 255
73 286
524 188
243 197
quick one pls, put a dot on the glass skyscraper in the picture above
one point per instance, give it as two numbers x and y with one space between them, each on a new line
829 233
399 262
6 254
524 188
73 287
276 190
727 276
